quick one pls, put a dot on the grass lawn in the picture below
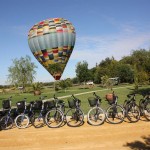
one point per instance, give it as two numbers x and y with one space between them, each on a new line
121 91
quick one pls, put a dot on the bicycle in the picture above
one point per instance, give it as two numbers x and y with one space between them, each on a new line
22 120
144 105
1 114
74 116
115 113
60 104
38 117
132 110
54 116
96 115
6 122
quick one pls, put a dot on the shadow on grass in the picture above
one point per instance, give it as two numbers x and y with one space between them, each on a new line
142 91
139 145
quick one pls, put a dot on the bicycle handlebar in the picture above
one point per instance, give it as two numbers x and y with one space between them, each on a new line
129 95
132 96
58 101
96 96
55 99
74 97
55 96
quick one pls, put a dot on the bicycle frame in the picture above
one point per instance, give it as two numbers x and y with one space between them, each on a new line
8 116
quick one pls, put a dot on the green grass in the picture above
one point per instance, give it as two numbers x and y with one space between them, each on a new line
49 92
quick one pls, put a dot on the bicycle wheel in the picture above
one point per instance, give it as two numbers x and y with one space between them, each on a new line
54 118
133 113
115 114
74 117
96 116
6 123
22 121
125 103
38 120
141 103
147 111
141 106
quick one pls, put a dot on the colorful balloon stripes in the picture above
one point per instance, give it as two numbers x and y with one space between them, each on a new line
51 42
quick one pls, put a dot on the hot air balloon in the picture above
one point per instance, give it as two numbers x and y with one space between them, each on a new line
51 42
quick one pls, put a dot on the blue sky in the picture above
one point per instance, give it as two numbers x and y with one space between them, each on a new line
104 28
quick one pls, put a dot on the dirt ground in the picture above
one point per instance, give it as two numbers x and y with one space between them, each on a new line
85 137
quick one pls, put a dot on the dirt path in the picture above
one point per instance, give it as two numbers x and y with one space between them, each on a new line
86 137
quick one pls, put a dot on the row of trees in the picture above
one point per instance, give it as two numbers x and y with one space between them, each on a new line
134 68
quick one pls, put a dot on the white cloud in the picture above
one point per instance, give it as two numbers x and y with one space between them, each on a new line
94 49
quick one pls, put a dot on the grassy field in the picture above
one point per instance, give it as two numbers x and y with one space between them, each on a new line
82 93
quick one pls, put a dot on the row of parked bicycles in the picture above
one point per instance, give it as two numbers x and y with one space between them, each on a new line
54 114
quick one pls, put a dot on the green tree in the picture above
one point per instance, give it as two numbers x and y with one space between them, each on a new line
143 77
91 73
140 62
136 81
106 67
106 62
140 59
100 71
37 86
69 82
82 72
22 71
104 80
125 73
64 84
75 80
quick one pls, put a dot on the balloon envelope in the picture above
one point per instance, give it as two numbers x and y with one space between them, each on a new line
51 42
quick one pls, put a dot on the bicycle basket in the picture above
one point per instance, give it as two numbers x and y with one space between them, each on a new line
71 103
92 101
110 98
49 104
21 105
60 101
37 105
6 104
